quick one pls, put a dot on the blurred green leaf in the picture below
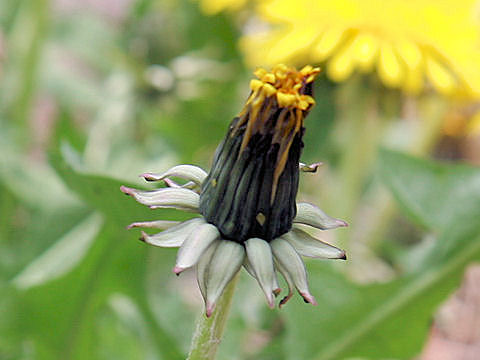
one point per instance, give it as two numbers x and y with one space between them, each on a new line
27 35
62 256
60 313
103 194
201 115
391 320
36 210
216 30
19 173
443 197
122 331
61 317
437 196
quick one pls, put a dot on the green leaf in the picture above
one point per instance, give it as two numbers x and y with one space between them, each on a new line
36 210
63 256
391 320
64 300
103 194
62 318
18 174
437 196
377 321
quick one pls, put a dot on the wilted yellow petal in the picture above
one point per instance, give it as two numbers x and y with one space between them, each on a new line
439 76
342 64
329 40
389 68
365 48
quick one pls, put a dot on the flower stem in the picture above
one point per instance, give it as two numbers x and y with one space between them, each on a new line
26 43
209 331
432 119
361 138
427 136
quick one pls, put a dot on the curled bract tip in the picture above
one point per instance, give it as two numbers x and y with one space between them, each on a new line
312 168
148 176
285 299
177 270
126 190
308 298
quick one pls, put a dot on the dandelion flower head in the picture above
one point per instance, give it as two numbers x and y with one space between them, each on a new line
247 213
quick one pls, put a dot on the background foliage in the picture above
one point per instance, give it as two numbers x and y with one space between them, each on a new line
94 93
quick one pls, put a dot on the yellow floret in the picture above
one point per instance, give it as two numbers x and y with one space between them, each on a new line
255 84
287 83
269 89
269 78
285 100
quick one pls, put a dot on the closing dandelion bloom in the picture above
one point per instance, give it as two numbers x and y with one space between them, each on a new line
408 43
247 201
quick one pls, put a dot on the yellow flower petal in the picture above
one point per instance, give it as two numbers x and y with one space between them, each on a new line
342 64
293 43
389 67
409 53
215 6
329 40
439 76
365 49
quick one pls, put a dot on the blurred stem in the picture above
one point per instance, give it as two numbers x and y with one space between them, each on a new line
431 125
209 331
27 39
362 128
430 122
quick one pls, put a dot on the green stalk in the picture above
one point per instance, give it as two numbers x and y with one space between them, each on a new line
432 118
26 40
430 131
209 331
361 133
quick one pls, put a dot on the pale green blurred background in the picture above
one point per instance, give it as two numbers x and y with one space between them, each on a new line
94 93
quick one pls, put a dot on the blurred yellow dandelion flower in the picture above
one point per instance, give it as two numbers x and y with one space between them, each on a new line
408 43
212 7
